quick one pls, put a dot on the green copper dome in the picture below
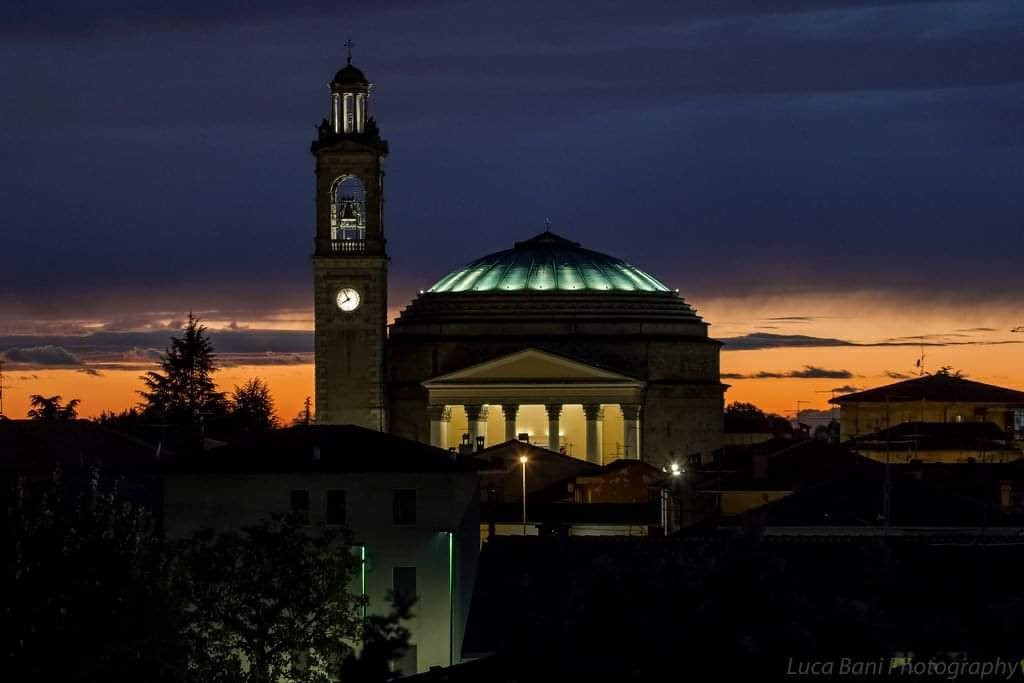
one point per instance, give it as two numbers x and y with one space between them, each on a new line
548 262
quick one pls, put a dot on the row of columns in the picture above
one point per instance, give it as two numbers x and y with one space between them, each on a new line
477 414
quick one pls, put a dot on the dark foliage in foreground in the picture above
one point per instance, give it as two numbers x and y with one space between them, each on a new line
92 592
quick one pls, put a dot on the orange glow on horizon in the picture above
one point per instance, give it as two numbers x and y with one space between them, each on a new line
977 339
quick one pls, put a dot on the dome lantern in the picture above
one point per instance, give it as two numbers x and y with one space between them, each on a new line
350 91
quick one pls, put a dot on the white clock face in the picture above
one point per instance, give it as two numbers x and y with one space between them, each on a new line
348 299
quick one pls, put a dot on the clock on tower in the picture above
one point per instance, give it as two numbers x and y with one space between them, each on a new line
349 260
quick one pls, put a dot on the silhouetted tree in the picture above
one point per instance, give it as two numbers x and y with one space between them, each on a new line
183 390
384 639
748 418
88 591
305 416
274 595
252 406
52 408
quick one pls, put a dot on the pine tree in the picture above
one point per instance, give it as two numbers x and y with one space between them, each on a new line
252 406
183 390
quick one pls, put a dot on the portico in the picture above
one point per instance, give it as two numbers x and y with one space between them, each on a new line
535 377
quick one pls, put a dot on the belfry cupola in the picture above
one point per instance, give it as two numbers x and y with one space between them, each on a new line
350 92
349 109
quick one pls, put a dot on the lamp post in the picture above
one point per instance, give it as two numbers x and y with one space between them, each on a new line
522 461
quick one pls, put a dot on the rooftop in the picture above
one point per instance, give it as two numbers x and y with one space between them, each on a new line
927 436
323 448
72 444
944 387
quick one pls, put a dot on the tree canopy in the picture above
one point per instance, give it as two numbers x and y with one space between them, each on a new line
89 572
183 390
252 407
52 408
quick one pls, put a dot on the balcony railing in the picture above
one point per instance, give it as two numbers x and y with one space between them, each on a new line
348 246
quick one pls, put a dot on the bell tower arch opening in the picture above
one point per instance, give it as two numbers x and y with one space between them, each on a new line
348 209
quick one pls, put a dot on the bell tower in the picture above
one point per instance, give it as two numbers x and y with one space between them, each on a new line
349 259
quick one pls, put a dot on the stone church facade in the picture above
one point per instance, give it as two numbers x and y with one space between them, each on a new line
567 347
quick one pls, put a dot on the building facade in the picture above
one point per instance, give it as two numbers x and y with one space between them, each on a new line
566 347
941 397
412 510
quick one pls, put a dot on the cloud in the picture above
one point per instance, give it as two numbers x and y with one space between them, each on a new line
267 358
143 354
892 374
41 355
846 389
808 372
767 340
41 20
1019 328
92 372
815 417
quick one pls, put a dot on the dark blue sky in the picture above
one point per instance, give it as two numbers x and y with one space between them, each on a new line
158 159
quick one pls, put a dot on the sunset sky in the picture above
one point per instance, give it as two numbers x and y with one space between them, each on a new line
830 183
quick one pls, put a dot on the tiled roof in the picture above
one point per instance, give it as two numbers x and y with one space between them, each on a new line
939 387
43 444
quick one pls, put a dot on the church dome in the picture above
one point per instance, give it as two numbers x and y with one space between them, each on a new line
548 262
349 75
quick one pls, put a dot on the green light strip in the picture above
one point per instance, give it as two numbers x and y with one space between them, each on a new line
451 598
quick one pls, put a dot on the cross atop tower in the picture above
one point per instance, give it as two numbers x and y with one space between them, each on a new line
349 44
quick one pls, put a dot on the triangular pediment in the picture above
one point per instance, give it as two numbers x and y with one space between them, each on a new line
531 365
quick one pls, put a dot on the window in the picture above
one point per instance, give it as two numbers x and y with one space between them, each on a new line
335 507
403 583
404 506
299 504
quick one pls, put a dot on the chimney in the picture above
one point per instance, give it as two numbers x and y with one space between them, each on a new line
1005 495
759 465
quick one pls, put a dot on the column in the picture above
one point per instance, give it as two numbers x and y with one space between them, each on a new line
554 412
631 431
510 410
476 414
595 432
440 416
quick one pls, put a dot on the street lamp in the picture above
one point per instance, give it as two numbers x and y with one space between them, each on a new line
522 461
